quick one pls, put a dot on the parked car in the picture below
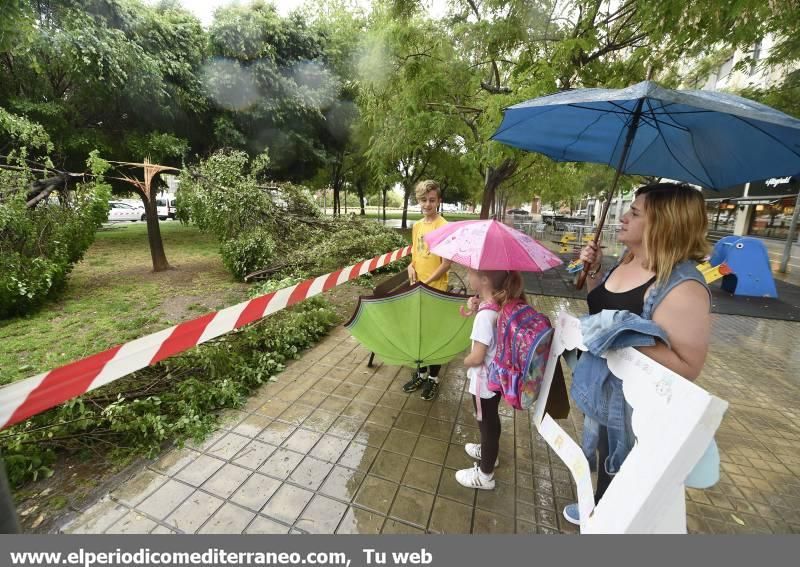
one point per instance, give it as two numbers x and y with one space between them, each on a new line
518 212
118 212
166 208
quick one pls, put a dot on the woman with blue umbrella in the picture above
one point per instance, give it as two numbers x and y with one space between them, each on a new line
706 138
656 280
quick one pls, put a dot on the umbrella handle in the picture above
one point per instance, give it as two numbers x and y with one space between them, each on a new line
585 272
467 312
581 279
623 158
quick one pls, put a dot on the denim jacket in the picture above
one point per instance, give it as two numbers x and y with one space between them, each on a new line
596 391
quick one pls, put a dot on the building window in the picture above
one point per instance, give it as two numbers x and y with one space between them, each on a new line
725 69
756 56
721 216
772 220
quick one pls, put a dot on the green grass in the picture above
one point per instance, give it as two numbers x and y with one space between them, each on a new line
113 296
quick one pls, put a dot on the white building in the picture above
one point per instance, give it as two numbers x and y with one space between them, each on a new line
761 208
729 77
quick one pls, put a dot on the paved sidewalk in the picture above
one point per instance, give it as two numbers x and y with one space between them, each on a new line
336 447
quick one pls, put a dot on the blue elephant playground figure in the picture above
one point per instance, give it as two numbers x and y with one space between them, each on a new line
748 265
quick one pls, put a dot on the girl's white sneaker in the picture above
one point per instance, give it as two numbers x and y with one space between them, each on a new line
474 451
474 478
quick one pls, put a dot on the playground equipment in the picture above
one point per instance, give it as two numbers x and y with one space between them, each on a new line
567 242
713 273
743 264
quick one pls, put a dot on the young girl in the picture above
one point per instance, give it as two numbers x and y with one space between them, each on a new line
494 288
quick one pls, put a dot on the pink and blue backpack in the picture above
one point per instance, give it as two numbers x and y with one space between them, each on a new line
524 337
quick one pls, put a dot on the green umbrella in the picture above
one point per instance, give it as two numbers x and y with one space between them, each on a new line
414 327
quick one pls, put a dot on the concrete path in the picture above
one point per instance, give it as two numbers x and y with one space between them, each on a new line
336 447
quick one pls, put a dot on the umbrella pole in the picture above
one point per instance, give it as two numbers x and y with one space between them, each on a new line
637 113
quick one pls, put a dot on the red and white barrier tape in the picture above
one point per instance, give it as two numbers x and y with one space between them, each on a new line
23 399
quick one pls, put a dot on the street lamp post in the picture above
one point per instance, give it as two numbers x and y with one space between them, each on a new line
787 249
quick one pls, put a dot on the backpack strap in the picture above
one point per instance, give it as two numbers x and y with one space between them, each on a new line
483 307
489 305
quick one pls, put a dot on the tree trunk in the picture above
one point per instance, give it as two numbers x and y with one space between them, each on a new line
494 177
336 185
157 253
360 190
488 199
335 200
385 191
406 195
345 200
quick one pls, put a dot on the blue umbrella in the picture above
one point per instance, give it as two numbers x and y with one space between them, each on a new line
708 138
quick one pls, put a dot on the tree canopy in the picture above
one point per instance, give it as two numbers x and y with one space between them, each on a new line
341 96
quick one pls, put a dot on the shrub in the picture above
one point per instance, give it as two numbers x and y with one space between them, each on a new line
39 246
275 227
241 253
174 400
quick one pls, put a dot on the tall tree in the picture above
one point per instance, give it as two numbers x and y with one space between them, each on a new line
119 76
341 24
104 74
406 60
271 86
520 49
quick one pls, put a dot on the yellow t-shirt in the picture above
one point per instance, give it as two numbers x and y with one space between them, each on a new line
424 262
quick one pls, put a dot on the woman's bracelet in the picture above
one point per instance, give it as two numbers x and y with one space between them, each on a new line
593 273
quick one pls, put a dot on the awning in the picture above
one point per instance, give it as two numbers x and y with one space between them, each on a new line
755 200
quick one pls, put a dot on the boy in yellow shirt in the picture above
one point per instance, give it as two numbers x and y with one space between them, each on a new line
430 270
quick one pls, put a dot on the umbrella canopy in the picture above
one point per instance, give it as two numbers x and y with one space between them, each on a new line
708 138
415 327
490 245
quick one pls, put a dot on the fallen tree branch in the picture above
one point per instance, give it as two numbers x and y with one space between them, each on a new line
495 89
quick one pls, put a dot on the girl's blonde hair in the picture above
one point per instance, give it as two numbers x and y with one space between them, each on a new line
676 227
507 285
424 187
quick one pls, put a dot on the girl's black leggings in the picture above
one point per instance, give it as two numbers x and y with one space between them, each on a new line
433 369
490 431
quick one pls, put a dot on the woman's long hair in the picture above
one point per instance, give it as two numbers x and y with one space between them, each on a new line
507 285
676 227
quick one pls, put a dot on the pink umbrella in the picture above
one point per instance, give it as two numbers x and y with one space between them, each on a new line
490 245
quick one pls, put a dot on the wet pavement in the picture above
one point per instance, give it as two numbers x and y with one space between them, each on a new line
337 447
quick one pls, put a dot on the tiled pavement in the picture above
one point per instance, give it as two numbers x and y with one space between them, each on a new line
336 447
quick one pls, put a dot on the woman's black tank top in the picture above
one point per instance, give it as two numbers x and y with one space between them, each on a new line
632 300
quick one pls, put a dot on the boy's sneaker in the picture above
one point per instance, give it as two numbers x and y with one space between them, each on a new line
571 514
429 390
416 381
474 451
474 478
